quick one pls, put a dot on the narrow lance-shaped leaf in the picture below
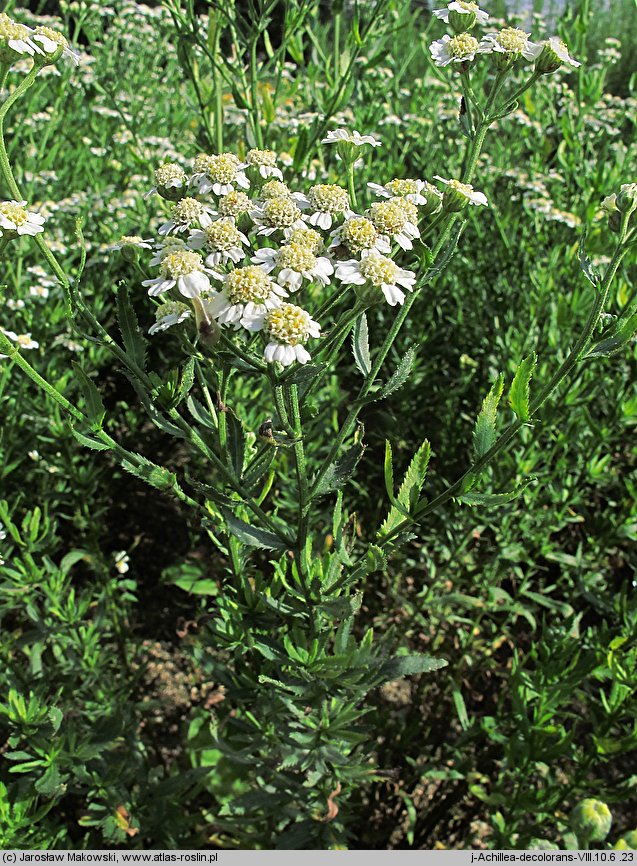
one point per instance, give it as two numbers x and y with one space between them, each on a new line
519 393
491 500
616 338
131 334
484 432
94 407
252 535
360 345
586 265
399 377
409 489
340 471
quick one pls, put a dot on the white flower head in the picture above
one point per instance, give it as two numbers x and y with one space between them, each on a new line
326 201
274 189
170 179
134 241
220 173
462 15
551 54
376 272
234 204
121 561
309 238
454 49
16 220
277 214
396 219
49 42
359 233
288 328
508 45
263 162
348 143
169 314
354 137
293 263
458 195
23 341
222 240
186 213
403 187
15 39
182 268
248 293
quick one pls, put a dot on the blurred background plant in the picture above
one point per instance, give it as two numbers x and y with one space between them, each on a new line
109 688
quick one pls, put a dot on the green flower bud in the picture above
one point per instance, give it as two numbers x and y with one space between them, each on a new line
591 820
628 842
626 199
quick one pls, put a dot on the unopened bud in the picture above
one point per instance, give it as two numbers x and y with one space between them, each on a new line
626 199
628 842
591 820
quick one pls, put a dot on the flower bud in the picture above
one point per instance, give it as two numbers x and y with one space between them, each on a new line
626 199
609 206
591 820
552 54
628 842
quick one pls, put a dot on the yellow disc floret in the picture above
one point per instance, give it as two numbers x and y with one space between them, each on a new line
329 198
288 324
281 212
308 238
462 45
222 235
403 186
220 168
389 217
297 257
248 284
512 40
53 35
14 212
275 189
234 203
359 233
261 157
168 172
179 263
186 211
378 269
10 29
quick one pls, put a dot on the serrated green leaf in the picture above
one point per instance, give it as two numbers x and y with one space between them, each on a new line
156 476
586 265
360 346
259 466
404 666
200 413
134 342
303 373
236 442
93 405
409 489
491 500
616 338
484 432
519 393
399 377
88 441
339 471
252 535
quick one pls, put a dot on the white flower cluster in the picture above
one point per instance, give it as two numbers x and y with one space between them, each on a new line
239 242
43 44
507 45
